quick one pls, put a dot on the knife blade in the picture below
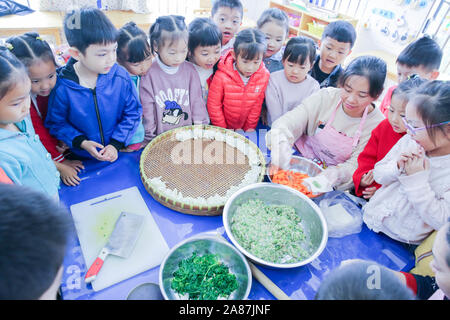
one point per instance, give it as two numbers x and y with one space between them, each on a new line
121 242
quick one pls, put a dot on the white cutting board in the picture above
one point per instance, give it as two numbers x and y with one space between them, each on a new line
94 221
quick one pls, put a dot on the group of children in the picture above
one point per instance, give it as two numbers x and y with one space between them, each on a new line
122 88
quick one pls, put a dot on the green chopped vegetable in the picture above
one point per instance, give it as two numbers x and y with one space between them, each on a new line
271 232
203 278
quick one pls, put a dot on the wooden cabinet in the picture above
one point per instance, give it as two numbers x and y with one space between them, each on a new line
310 23
50 24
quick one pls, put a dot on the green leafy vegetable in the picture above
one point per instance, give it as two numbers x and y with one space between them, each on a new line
203 278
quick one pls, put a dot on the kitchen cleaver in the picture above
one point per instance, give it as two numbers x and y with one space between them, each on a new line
120 243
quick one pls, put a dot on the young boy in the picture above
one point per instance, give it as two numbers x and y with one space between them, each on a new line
227 14
422 57
336 44
33 237
94 107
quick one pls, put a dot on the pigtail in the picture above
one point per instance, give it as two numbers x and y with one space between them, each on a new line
173 24
29 47
10 69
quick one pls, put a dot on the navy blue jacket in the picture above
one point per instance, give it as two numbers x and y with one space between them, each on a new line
107 114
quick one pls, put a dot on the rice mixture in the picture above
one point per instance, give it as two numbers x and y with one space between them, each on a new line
271 232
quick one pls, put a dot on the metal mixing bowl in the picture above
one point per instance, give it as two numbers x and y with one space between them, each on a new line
228 254
299 164
313 221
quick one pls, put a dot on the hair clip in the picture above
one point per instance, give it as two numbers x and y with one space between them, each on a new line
39 38
9 46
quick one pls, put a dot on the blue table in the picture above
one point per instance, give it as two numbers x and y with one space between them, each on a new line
298 283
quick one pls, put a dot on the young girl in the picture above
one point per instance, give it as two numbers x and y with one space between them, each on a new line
237 89
39 60
22 155
333 125
383 138
135 55
170 92
414 198
204 46
287 88
274 23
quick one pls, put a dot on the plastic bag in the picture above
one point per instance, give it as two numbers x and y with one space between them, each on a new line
343 216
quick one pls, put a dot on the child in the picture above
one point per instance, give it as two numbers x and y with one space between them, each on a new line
363 280
333 125
94 104
436 287
135 55
34 235
287 88
237 89
38 58
227 14
171 94
441 262
22 156
414 198
204 45
274 23
422 57
337 42
383 138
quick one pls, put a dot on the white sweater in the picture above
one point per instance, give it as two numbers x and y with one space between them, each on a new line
409 208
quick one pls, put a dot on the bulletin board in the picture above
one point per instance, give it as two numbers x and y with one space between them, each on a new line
389 25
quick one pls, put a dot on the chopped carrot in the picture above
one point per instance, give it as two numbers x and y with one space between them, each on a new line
292 179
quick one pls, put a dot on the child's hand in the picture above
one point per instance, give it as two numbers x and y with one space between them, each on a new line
61 147
109 153
368 193
69 172
91 147
264 117
367 179
416 164
75 164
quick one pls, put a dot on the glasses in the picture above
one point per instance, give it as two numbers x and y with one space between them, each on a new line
413 130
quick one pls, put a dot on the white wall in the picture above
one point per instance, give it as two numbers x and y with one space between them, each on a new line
255 8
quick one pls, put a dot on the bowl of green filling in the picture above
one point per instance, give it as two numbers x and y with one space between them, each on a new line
275 225
205 268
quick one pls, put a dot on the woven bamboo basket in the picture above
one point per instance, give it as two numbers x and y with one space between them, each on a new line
199 176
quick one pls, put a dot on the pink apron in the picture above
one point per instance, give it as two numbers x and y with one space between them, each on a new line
329 147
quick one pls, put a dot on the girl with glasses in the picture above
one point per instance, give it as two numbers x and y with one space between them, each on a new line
414 198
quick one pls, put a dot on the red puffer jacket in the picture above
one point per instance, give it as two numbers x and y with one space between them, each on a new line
231 104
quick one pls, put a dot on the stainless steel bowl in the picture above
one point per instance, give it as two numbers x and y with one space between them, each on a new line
236 262
313 221
299 164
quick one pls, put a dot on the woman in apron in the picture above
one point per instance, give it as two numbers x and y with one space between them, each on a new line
333 125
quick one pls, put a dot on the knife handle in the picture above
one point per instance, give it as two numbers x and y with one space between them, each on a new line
91 274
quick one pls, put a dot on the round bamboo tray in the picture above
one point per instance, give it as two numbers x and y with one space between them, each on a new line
196 168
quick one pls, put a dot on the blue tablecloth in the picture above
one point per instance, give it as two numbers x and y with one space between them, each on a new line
298 283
